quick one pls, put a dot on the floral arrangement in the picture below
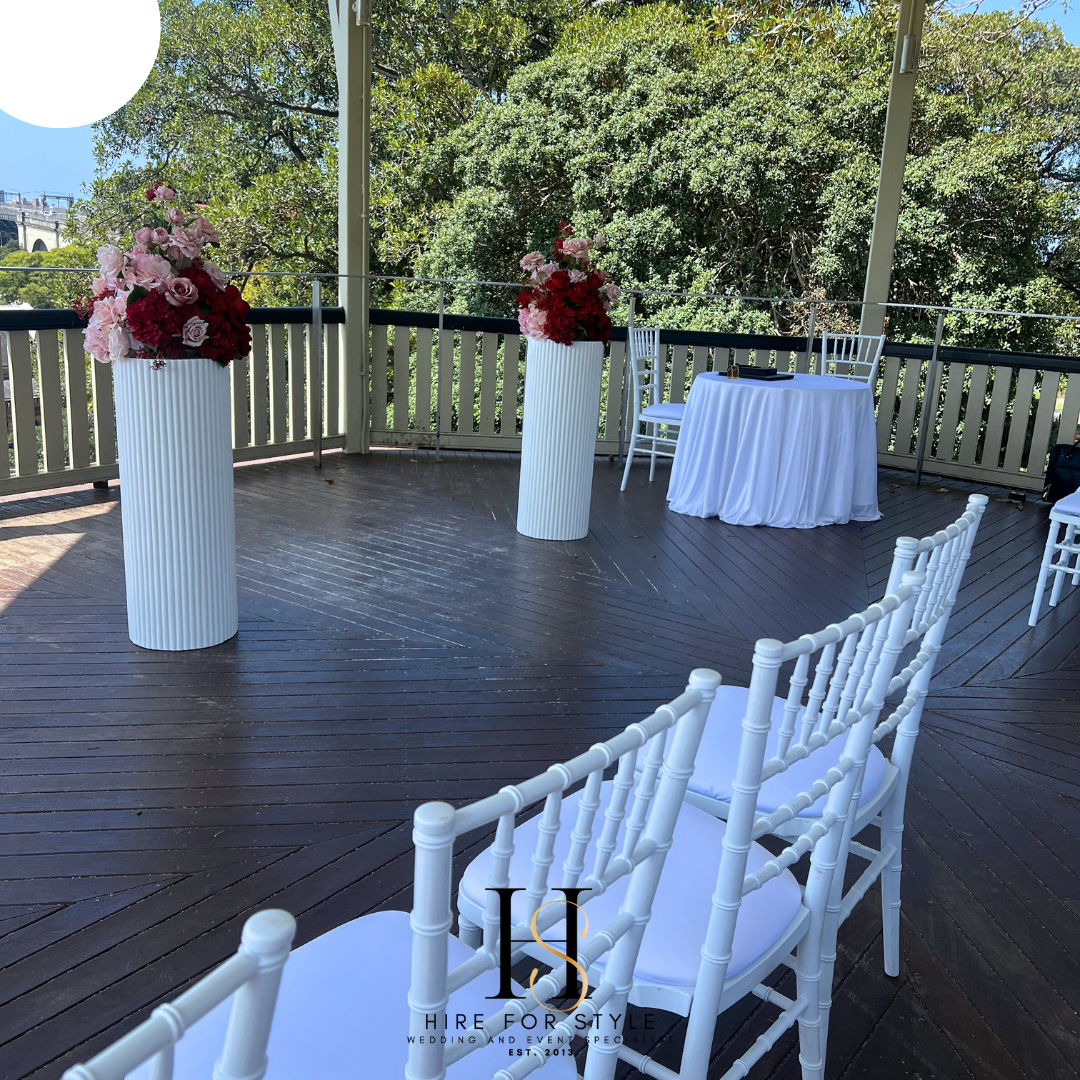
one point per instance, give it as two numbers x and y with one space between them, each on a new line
163 299
566 298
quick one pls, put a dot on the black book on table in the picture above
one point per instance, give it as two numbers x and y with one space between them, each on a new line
765 374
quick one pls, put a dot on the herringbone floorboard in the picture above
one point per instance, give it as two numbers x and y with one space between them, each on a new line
399 642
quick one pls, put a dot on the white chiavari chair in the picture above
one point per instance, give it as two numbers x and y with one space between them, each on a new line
851 356
389 992
727 913
659 418
251 978
881 792
1060 551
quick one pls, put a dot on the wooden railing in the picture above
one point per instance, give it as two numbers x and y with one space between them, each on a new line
59 416
993 417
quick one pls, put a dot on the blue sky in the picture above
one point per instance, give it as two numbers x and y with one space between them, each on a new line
61 159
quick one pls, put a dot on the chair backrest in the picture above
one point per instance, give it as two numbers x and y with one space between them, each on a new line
855 660
851 356
646 369
646 825
942 557
253 975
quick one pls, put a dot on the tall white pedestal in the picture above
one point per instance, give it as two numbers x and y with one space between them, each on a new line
174 436
558 438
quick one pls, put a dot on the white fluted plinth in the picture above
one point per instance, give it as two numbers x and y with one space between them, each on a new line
558 438
174 435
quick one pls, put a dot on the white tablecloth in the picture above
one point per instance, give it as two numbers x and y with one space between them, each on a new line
793 454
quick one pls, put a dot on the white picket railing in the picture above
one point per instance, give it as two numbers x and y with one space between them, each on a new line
992 421
993 416
59 411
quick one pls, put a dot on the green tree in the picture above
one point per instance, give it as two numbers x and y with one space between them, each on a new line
44 290
716 166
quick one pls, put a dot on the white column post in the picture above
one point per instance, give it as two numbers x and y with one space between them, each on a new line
893 159
351 24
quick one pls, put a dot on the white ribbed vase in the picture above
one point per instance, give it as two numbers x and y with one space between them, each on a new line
558 438
174 435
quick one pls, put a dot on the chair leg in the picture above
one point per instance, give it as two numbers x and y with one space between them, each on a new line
892 834
1044 570
811 1051
652 463
828 960
629 459
469 932
1061 567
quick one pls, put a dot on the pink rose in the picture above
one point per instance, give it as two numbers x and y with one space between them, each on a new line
205 231
542 273
97 343
217 275
612 291
165 193
186 242
195 331
598 240
577 247
149 271
111 260
160 236
175 215
532 261
180 291
142 236
532 322
119 343
104 286
111 311
577 275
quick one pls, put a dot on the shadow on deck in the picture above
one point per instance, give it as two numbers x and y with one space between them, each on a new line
400 642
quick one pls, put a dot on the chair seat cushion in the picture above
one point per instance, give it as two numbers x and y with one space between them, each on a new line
671 947
343 1011
1069 505
667 410
718 756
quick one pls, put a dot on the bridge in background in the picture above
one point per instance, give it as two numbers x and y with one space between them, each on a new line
35 224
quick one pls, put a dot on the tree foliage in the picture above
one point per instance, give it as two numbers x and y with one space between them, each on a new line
727 149
716 167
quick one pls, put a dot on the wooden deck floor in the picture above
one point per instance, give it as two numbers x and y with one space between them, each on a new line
399 642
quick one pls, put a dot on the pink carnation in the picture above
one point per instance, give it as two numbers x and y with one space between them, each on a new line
532 322
185 242
149 271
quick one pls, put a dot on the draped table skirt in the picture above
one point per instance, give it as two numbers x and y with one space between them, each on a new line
792 454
